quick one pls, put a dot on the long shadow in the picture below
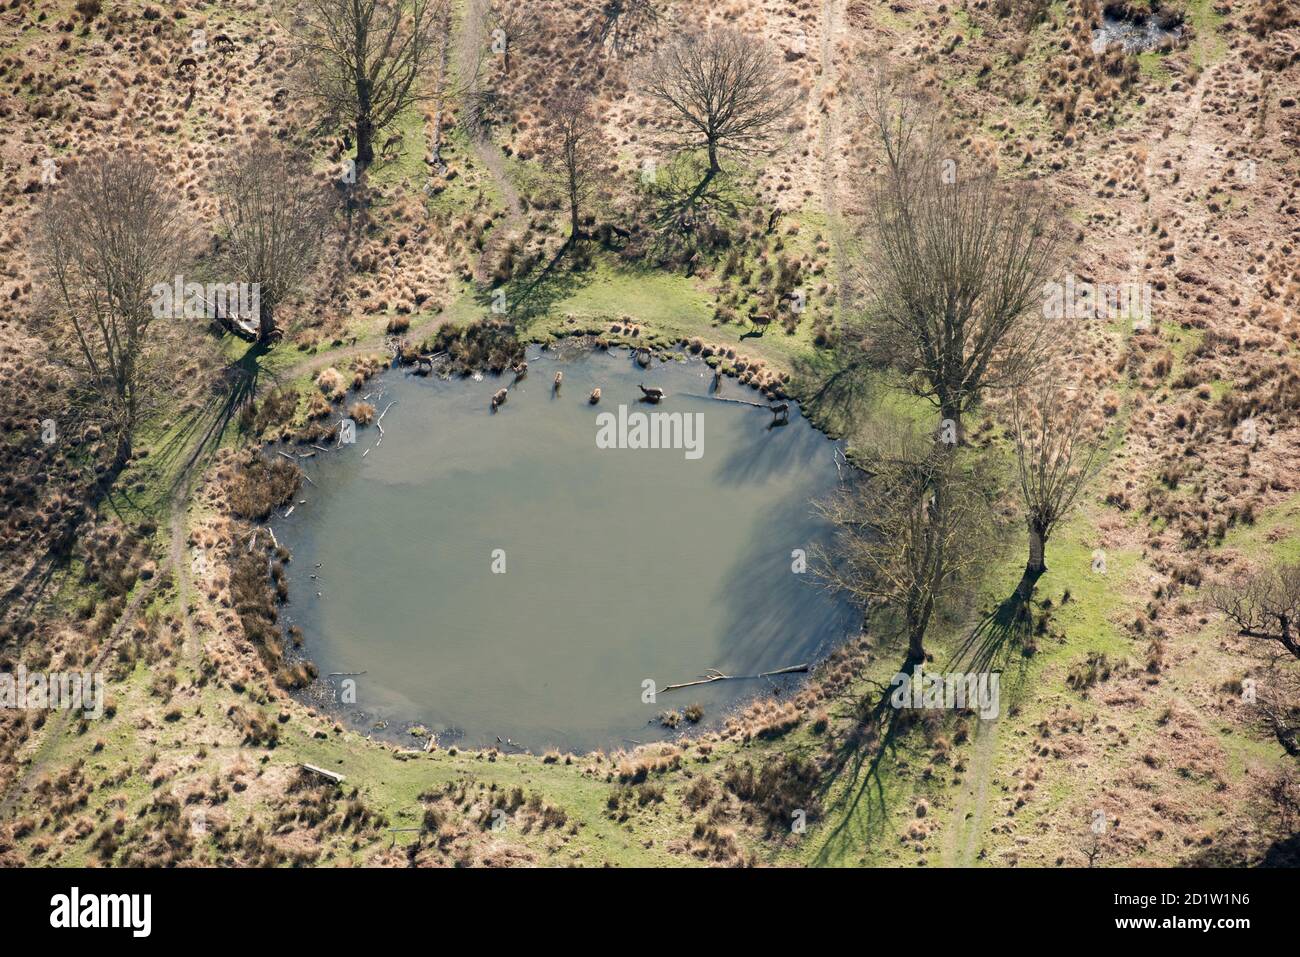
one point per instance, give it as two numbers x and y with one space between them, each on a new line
995 636
857 761
801 448
199 433
536 292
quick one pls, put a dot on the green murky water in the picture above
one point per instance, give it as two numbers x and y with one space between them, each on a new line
621 565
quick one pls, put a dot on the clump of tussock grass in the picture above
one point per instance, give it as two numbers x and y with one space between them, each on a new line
331 384
1092 670
262 484
362 413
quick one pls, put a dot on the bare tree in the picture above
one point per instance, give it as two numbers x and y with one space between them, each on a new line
273 215
366 59
720 91
1264 606
574 153
1054 460
108 238
909 533
954 270
511 20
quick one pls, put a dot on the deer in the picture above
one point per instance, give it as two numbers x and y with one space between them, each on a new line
780 413
595 396
760 320
223 45
499 399
559 380
393 141
652 394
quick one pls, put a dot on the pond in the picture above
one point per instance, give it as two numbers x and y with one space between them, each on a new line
498 576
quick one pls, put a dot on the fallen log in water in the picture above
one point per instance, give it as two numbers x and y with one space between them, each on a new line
723 398
713 674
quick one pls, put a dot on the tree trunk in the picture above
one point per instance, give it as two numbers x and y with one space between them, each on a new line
918 621
365 143
265 322
1036 565
714 166
950 435
123 452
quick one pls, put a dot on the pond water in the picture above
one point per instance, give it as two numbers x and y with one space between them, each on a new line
621 565
1134 34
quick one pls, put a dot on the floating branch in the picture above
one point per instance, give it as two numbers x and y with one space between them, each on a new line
379 422
723 398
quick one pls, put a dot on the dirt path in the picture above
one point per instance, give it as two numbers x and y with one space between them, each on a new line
831 19
469 62
970 813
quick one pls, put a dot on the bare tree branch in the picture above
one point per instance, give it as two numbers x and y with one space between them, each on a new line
107 238
955 266
273 214
721 91
366 59
1054 460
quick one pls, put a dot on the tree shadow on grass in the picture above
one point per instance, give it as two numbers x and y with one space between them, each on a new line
532 295
853 789
996 637
197 436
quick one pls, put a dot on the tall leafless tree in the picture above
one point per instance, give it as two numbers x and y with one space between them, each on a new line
108 237
574 152
367 59
513 19
273 214
1265 606
910 532
954 268
1054 460
720 91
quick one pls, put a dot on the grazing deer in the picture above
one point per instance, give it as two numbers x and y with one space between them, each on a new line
498 399
393 141
264 49
652 394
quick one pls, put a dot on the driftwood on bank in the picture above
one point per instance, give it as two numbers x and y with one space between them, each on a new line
330 775
713 674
